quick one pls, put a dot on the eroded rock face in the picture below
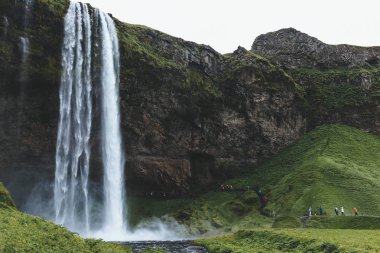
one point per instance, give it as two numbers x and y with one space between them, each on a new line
341 82
291 48
252 111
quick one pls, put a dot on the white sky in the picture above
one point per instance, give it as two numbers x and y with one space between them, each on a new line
226 24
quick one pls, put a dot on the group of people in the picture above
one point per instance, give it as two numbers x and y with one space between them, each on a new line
342 211
225 187
336 210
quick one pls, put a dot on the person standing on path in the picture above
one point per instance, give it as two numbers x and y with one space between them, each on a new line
355 211
310 211
336 211
342 210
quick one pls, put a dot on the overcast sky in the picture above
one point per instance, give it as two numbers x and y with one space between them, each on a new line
226 24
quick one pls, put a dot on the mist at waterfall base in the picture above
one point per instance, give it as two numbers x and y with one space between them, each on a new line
95 210
41 203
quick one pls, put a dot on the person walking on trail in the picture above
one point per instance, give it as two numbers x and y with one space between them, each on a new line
342 210
355 211
310 211
320 210
336 211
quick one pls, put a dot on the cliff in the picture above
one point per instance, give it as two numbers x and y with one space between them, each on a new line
189 114
341 82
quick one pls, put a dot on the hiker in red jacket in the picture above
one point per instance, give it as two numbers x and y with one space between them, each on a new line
355 211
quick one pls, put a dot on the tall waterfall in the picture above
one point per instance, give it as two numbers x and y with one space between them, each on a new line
73 151
71 194
112 152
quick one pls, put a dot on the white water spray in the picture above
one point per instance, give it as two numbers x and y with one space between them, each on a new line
112 151
73 152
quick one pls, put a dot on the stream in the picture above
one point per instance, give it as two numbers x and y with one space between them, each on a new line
166 246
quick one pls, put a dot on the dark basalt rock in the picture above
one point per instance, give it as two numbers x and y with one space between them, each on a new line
291 48
341 82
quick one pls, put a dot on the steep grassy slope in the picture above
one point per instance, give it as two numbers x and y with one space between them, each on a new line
23 233
295 240
334 165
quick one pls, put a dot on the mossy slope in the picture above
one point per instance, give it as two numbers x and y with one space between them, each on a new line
334 165
21 233
5 199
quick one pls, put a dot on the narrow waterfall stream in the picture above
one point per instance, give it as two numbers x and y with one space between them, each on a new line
112 151
73 152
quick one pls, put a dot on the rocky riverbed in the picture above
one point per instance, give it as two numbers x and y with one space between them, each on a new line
166 246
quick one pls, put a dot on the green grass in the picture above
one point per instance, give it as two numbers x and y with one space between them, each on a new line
347 222
336 90
208 213
295 240
333 165
22 233
5 199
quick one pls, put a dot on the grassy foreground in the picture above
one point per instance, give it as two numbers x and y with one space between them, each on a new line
295 240
22 233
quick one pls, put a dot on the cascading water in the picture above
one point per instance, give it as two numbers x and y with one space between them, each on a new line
112 152
5 24
23 39
71 194
24 48
73 152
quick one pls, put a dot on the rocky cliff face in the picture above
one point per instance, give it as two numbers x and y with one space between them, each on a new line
189 114
341 82
29 81
291 49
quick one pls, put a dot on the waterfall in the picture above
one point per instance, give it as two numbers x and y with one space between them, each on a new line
5 24
24 49
24 40
71 194
74 129
112 152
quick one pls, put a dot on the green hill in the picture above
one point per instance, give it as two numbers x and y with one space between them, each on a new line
333 165
24 233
